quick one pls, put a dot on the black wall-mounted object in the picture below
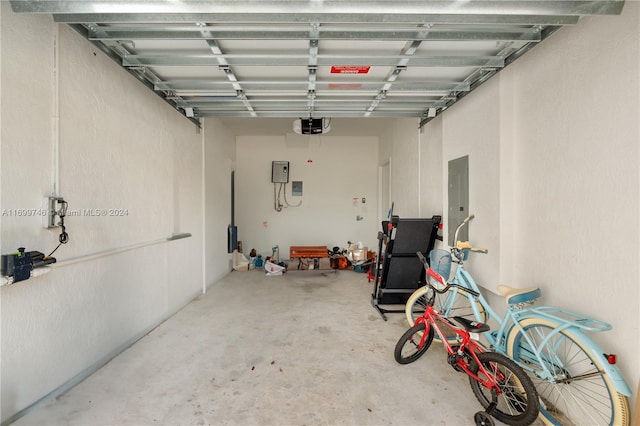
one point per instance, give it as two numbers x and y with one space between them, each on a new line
312 126
20 264
232 239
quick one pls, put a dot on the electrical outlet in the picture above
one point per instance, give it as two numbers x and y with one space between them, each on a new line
50 208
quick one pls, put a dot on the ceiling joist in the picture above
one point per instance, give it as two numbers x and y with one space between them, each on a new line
268 33
322 58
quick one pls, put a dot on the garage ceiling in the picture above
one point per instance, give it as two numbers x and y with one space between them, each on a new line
315 58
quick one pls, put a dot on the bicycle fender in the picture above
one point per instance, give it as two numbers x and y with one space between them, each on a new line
612 370
596 352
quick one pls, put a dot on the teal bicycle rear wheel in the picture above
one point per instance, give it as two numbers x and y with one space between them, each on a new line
582 393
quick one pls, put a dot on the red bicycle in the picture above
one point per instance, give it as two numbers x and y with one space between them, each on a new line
504 390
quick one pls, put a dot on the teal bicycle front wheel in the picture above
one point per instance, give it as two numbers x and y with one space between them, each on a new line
581 392
455 302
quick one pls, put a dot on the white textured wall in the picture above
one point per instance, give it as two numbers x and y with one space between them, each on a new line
472 128
219 154
405 160
554 159
399 145
553 144
431 167
577 163
342 168
120 147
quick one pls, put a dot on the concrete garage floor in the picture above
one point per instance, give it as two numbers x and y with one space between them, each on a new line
298 349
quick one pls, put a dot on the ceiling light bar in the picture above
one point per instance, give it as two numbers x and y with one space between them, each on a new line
276 59
329 7
387 34
325 113
199 87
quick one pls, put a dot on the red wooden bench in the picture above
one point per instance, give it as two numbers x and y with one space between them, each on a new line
303 252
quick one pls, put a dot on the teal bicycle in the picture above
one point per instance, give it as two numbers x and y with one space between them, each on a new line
578 383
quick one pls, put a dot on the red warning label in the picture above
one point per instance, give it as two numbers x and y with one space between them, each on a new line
350 69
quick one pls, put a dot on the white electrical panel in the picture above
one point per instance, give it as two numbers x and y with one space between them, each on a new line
280 171
296 188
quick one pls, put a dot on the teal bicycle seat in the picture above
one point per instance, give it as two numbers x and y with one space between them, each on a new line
519 295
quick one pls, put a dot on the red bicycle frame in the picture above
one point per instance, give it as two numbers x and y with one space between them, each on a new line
468 346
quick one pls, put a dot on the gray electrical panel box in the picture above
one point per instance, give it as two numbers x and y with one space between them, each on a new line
280 171
458 197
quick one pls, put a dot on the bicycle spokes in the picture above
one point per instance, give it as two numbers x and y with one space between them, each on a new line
415 341
572 386
504 389
508 386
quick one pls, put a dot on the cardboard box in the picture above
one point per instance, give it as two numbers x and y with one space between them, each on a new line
356 254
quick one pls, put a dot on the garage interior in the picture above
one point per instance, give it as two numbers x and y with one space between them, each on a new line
153 111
